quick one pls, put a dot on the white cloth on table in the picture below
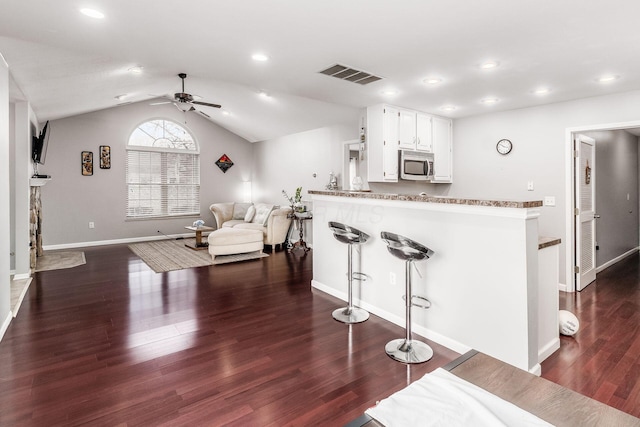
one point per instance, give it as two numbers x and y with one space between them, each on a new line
442 399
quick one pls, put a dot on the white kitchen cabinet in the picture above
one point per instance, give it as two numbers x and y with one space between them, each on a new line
382 143
442 150
424 137
414 131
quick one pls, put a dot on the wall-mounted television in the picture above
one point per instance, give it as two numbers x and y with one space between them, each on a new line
39 145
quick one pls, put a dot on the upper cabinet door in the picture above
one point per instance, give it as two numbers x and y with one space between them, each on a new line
424 139
390 149
407 130
442 155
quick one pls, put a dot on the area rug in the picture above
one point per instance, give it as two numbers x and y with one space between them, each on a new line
169 255
59 260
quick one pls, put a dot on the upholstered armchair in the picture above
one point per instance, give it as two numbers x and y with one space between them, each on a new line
271 220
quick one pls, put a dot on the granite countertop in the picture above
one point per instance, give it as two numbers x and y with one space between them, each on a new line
545 242
429 199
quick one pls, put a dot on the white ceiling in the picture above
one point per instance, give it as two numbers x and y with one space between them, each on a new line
66 64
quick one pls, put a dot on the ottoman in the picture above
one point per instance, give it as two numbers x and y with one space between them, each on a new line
227 241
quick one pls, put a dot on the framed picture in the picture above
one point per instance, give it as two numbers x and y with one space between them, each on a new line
105 157
224 163
87 163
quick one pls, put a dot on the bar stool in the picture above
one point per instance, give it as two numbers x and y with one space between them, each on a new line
406 350
351 236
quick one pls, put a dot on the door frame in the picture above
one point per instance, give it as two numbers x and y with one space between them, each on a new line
570 232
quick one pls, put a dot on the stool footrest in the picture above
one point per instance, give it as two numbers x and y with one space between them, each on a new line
424 303
361 277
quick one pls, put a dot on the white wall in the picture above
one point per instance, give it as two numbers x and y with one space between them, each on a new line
291 161
70 200
539 154
5 200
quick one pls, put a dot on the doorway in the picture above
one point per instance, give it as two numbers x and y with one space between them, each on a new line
581 265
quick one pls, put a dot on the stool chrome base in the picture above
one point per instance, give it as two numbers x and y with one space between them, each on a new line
410 351
350 315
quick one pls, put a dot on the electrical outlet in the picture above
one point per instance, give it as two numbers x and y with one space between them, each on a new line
392 278
549 200
92 224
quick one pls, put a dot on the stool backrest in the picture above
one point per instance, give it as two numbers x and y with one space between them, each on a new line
346 234
405 248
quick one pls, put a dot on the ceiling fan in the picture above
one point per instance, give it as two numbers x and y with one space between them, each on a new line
185 101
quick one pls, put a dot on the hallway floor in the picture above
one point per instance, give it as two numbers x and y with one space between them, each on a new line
602 361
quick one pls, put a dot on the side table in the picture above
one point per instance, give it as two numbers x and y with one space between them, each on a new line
200 245
300 217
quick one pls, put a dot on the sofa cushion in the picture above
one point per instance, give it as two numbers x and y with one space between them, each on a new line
232 223
251 212
252 226
240 210
262 213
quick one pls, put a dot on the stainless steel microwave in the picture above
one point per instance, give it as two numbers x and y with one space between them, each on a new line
416 165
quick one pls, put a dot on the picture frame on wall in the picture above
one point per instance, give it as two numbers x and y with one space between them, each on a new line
105 157
87 163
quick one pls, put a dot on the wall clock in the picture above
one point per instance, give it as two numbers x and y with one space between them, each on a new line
504 146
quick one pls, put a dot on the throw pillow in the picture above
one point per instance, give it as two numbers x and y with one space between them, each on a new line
262 214
251 212
240 210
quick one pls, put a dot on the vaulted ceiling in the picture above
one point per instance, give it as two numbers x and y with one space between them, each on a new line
66 63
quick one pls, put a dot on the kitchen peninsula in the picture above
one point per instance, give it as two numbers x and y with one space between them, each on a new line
482 280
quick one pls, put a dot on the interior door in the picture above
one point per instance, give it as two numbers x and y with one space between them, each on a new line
585 203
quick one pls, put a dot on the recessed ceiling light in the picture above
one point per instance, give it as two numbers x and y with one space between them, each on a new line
264 94
448 108
489 101
226 113
432 80
121 97
542 91
607 79
135 70
488 65
390 92
259 57
92 13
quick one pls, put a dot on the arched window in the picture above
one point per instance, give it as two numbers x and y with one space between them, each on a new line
163 171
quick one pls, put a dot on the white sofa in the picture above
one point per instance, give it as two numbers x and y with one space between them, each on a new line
270 219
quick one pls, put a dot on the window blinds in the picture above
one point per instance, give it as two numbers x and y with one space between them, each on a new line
162 184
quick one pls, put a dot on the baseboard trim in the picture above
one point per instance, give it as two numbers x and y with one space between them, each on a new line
114 241
536 370
16 308
396 320
617 259
548 349
5 324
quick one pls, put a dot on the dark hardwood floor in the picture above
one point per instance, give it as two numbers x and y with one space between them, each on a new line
602 361
247 344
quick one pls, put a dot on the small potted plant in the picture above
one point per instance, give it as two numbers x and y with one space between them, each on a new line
296 201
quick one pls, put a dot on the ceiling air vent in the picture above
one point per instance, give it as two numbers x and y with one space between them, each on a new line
350 74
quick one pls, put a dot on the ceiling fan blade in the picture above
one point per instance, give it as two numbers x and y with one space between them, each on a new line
207 104
161 103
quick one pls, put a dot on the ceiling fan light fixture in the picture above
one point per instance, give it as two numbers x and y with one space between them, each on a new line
184 106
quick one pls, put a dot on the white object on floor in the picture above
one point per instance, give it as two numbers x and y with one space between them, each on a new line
442 399
568 323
